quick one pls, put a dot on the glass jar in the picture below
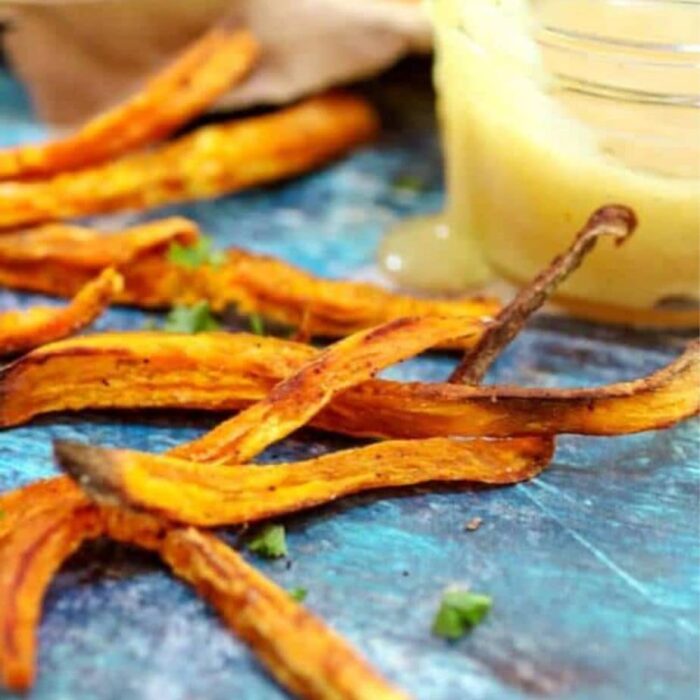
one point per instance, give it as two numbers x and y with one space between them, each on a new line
551 108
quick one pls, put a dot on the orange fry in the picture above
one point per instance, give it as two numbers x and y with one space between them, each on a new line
303 654
184 89
25 329
59 259
222 371
211 161
31 555
218 495
296 400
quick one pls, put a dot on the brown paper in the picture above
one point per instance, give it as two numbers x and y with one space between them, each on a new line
80 56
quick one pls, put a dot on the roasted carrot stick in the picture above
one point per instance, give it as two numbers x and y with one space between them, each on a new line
222 371
183 491
22 330
211 161
296 400
184 89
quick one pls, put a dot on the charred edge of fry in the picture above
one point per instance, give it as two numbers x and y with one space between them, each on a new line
293 402
611 220
226 372
31 555
303 654
182 491
180 91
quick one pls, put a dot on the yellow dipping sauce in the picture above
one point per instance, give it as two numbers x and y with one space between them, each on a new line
552 108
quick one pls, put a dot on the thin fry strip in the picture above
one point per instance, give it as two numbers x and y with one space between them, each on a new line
296 400
31 555
230 371
303 654
184 89
182 491
22 330
59 259
67 250
611 220
28 501
211 161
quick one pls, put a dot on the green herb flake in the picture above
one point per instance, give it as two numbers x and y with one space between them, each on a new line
201 253
459 612
270 542
298 594
409 183
257 324
191 319
3 514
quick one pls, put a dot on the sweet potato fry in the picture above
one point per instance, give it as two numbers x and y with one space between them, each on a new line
211 161
229 371
25 329
184 89
330 308
59 259
26 502
183 491
296 400
30 556
303 654
612 220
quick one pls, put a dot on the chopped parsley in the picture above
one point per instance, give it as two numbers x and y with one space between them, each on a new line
409 183
257 324
459 612
201 253
270 542
299 594
191 319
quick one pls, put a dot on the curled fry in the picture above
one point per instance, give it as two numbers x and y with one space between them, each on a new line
296 400
25 329
31 554
230 371
183 491
209 162
611 220
184 89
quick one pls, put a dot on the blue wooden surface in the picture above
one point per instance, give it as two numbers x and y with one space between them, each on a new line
593 566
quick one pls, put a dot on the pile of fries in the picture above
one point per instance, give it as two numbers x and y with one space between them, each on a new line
457 431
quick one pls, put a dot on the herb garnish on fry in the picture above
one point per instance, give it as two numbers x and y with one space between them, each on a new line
191 319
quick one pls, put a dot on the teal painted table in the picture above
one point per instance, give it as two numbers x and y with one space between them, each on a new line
593 566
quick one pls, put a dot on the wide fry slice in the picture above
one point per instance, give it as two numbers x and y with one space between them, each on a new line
222 371
183 491
296 400
31 554
184 89
211 161
30 328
